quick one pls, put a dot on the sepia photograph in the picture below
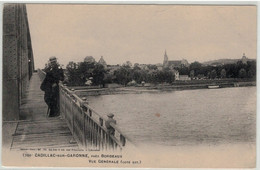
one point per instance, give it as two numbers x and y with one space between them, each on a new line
129 85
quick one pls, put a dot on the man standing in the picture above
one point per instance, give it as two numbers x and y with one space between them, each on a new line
50 86
110 129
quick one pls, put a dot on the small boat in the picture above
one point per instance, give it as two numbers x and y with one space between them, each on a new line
213 86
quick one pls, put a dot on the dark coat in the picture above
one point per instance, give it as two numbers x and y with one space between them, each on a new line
50 84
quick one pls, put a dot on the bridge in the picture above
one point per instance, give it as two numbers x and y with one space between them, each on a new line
25 124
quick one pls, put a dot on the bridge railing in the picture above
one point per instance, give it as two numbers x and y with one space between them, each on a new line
87 125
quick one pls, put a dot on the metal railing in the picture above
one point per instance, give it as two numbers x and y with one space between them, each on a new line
87 125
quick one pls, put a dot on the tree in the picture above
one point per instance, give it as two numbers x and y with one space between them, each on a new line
98 75
240 65
242 73
250 74
231 70
196 67
86 69
169 76
71 65
72 75
183 70
79 73
152 76
136 66
251 69
128 63
123 75
223 73
152 67
192 74
208 75
108 78
138 76
213 74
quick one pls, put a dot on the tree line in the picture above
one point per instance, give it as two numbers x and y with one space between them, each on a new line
235 70
78 73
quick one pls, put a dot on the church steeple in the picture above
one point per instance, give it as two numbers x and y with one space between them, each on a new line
165 61
244 59
102 62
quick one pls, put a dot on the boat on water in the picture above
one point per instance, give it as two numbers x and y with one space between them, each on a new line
213 86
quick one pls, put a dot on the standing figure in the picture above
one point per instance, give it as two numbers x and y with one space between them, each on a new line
110 129
50 86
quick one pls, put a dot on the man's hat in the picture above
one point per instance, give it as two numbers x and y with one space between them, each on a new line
111 115
53 59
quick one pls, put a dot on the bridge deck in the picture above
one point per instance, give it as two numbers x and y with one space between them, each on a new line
35 130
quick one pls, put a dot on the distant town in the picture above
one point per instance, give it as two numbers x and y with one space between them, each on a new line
92 73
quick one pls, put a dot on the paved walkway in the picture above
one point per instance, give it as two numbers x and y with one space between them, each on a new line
33 105
35 130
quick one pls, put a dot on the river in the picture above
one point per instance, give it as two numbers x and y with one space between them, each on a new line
184 118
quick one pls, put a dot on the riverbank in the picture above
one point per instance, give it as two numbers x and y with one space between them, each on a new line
203 85
188 85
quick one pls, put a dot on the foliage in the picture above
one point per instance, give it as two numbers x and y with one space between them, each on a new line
223 73
79 73
196 67
213 74
242 73
98 74
192 74
123 75
72 74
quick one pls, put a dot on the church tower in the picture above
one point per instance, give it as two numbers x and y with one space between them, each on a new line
102 62
165 61
244 59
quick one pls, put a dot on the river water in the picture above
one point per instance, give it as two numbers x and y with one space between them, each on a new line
184 118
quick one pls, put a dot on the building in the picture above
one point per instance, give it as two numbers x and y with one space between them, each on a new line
174 63
102 62
89 59
112 68
184 77
176 74
159 66
244 59
143 66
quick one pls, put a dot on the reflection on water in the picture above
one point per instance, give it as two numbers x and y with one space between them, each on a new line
190 117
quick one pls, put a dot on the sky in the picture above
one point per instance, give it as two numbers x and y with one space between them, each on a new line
141 33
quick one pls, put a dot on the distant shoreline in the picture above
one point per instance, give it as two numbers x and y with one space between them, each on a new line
89 91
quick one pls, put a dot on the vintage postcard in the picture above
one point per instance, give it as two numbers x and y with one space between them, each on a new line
129 86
